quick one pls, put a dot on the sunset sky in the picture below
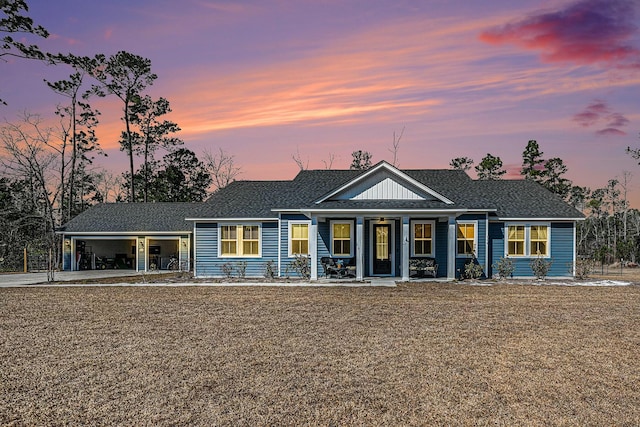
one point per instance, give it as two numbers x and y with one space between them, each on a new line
266 79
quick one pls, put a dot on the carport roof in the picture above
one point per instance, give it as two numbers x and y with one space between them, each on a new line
132 218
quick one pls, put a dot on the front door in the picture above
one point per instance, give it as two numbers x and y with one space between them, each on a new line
382 249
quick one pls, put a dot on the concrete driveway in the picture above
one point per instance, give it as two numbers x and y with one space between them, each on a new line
20 279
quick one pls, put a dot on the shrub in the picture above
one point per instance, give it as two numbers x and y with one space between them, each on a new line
504 268
473 270
227 269
269 270
301 265
241 266
540 267
584 268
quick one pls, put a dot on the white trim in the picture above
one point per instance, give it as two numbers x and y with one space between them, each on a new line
527 239
412 223
239 239
391 169
500 219
475 238
290 254
123 233
351 232
387 212
372 244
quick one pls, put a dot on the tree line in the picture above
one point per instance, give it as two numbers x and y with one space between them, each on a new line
47 174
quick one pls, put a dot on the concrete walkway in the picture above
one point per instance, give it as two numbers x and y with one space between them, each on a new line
20 279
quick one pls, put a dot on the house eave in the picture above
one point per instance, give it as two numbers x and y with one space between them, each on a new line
232 219
122 233
458 211
534 218
393 170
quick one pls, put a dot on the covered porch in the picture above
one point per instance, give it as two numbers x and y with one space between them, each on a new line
383 245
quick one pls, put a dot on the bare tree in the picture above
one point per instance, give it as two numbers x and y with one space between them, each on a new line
298 159
222 168
396 146
328 164
29 155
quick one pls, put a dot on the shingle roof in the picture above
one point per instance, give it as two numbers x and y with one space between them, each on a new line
505 198
524 199
133 217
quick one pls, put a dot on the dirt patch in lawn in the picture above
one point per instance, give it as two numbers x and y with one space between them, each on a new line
418 354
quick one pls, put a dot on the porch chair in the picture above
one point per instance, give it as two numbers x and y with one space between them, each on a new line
330 268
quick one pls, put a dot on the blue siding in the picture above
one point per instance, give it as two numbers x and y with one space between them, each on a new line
208 264
324 244
481 247
284 244
206 249
561 247
442 231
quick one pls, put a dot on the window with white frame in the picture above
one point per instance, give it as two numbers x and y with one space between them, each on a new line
466 238
423 238
515 240
342 238
241 240
527 240
298 238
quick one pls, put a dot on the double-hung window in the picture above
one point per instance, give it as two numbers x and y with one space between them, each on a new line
516 236
466 238
298 238
241 240
539 240
423 233
341 238
528 240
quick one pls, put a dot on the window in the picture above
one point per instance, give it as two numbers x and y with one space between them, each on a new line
228 240
466 238
423 234
298 238
527 240
538 244
240 240
516 240
341 236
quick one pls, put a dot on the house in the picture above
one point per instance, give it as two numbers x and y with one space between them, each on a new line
378 221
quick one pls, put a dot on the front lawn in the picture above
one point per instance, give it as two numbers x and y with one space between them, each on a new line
419 354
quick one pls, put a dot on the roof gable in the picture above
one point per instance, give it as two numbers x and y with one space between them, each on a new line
384 182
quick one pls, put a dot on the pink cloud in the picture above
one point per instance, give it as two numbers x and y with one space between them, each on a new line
610 131
585 32
598 111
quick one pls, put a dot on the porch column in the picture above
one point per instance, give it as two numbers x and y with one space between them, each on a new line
451 249
359 248
405 248
313 247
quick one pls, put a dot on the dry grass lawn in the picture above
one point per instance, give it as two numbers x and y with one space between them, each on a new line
419 354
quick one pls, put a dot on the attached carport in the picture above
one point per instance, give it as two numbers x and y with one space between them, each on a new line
135 236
